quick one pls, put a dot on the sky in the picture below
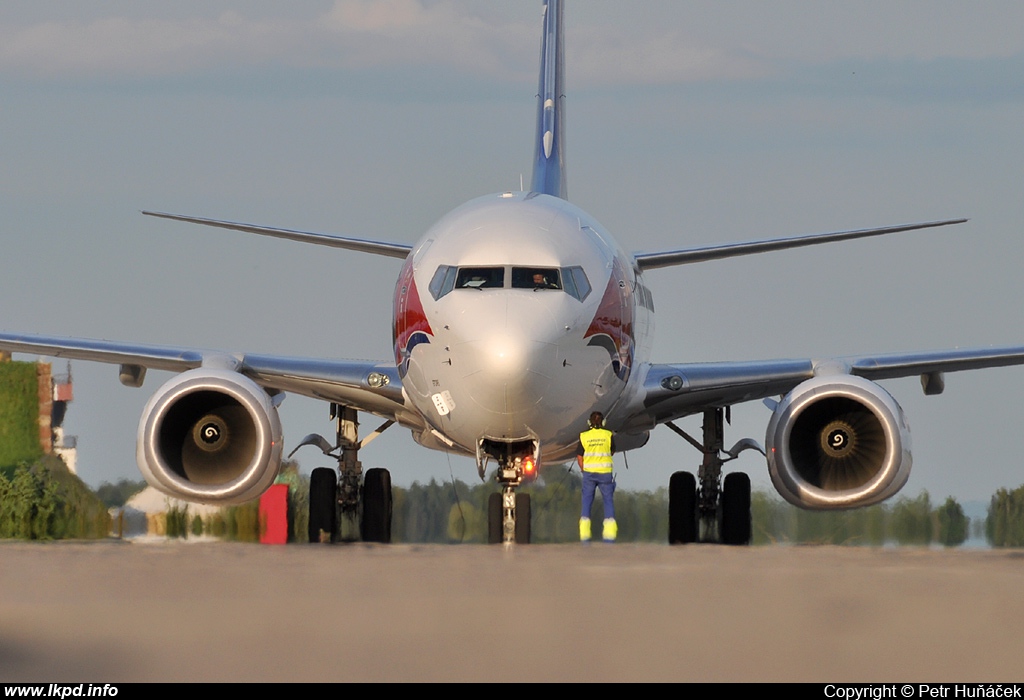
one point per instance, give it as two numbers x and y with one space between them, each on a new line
687 124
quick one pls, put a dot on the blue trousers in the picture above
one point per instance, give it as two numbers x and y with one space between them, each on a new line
605 482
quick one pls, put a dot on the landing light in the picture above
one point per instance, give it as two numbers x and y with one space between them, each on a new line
377 380
673 383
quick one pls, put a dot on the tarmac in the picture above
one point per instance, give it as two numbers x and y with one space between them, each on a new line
113 611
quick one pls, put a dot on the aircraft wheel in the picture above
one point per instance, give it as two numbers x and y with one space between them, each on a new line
323 505
523 519
682 508
736 519
494 518
377 506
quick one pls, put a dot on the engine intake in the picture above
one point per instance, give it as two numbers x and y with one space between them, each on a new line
838 441
210 435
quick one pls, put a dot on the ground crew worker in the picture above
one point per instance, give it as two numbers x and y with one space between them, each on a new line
594 455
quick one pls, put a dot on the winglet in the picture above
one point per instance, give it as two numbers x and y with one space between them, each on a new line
549 149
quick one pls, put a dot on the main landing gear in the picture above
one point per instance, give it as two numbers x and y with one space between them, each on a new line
508 513
340 507
716 510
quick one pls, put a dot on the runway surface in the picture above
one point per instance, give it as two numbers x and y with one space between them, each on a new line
170 611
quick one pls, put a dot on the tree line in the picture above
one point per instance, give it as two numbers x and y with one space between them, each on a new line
1004 526
904 521
445 512
42 500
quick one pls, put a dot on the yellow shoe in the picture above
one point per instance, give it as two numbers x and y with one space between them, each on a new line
610 530
584 529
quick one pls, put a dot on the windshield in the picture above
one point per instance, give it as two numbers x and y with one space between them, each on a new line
571 280
480 278
535 278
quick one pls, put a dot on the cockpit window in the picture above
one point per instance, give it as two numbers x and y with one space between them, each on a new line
480 278
443 281
572 280
569 284
581 285
535 278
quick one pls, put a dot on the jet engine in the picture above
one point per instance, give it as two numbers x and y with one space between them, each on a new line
210 435
838 441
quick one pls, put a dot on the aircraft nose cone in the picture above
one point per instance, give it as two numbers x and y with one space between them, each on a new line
508 359
504 356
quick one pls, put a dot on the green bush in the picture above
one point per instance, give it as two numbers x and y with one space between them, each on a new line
953 524
243 522
116 495
177 522
1004 526
45 501
911 520
19 414
216 525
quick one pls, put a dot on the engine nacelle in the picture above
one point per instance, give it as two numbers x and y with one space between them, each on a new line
211 436
838 441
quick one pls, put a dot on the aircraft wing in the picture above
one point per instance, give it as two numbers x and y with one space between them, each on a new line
347 382
675 390
685 256
385 248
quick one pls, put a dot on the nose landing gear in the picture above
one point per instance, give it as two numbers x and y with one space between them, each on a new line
508 513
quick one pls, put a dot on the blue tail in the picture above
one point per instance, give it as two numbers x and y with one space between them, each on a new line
549 148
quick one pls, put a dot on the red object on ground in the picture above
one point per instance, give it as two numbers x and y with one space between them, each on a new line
274 515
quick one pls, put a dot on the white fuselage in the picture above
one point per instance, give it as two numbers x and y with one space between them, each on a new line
499 336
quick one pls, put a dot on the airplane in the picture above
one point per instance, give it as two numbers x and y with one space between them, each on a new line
515 316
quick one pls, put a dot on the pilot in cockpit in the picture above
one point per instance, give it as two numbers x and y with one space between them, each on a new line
541 282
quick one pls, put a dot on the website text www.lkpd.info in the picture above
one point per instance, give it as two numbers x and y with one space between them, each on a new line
61 690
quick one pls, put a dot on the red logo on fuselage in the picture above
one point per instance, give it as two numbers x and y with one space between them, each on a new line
612 327
411 326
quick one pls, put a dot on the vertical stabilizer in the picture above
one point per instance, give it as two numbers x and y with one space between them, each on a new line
549 146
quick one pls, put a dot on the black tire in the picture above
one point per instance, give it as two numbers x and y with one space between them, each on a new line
323 505
523 518
377 506
736 519
682 508
494 518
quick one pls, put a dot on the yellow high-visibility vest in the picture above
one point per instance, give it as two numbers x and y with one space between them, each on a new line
597 450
